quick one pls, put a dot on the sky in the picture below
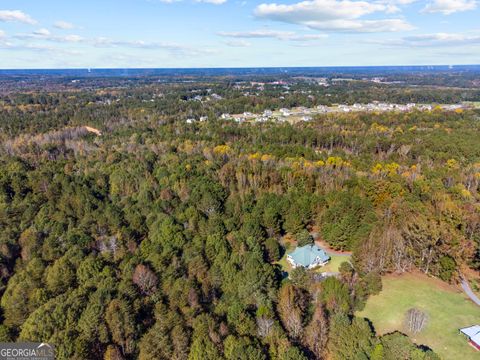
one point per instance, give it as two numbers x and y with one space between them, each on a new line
237 33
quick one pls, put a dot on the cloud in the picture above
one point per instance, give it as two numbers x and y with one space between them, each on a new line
37 40
448 7
4 43
398 2
334 15
71 38
46 35
433 40
16 16
308 37
37 48
64 25
441 39
42 32
173 48
237 43
257 34
395 5
272 34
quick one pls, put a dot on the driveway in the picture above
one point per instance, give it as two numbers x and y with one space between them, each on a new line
469 292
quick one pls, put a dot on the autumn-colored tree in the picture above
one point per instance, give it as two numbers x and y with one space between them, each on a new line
316 334
291 305
113 353
120 320
145 279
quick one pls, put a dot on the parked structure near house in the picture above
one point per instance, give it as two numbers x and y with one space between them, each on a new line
321 276
473 335
308 256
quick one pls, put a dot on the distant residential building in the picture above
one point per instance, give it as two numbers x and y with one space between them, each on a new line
322 108
425 107
378 80
452 107
309 256
323 82
238 118
473 335
285 112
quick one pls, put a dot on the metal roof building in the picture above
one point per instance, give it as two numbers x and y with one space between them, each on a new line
308 256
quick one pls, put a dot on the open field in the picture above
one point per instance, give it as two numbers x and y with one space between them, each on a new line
448 310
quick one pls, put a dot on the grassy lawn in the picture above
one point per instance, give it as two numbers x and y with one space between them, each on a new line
447 308
285 264
333 264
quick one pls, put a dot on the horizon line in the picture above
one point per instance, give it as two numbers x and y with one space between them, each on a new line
238 67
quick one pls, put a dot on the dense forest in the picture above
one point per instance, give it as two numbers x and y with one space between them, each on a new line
155 238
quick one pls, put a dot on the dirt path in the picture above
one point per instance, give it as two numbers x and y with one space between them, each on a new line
329 250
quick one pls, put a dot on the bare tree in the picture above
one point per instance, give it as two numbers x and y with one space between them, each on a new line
145 279
264 326
415 320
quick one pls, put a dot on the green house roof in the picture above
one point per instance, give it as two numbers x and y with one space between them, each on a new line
306 255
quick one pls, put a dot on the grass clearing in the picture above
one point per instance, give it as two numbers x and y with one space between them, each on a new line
334 263
448 310
285 264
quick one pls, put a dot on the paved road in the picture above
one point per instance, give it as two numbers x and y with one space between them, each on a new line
469 292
